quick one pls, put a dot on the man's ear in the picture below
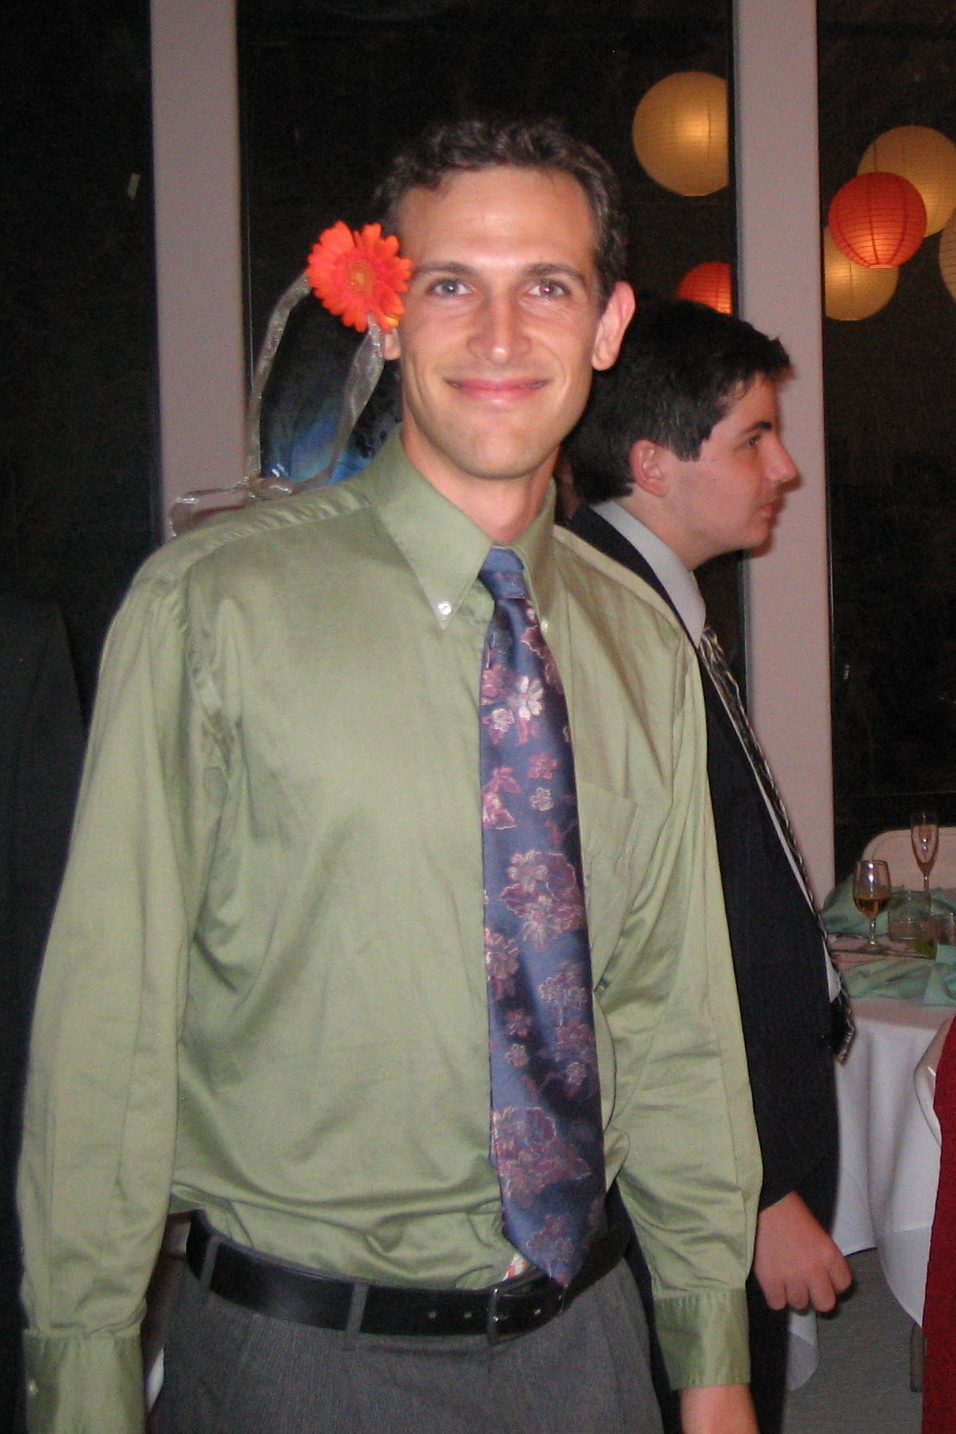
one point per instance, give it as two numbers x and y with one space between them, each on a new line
648 467
618 313
391 345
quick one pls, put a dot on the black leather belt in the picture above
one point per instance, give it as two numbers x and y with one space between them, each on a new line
272 1287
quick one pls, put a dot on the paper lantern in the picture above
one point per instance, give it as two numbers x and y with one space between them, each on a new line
947 255
710 284
927 159
878 220
680 132
850 291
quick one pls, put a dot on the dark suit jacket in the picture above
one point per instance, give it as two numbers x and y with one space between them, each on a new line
41 746
776 944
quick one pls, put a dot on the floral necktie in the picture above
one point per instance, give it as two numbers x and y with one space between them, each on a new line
546 1133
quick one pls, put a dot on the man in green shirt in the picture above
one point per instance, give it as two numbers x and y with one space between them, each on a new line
265 993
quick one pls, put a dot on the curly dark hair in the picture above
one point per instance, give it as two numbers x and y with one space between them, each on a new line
682 366
482 143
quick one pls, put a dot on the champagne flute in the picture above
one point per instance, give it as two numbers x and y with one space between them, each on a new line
924 834
871 892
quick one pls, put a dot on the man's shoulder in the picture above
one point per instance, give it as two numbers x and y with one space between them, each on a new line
588 524
611 580
262 531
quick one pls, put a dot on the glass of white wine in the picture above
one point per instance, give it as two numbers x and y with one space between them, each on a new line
871 892
924 834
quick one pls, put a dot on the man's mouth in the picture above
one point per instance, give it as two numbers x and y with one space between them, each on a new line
492 390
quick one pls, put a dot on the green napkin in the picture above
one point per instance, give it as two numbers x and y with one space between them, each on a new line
840 915
906 978
901 978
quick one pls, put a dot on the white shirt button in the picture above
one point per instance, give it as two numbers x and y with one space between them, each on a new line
545 625
443 609
33 1389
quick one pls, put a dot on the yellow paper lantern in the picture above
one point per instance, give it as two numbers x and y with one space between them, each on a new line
680 132
850 291
927 159
947 255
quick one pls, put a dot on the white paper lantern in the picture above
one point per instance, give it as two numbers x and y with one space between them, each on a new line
947 255
927 159
850 291
680 132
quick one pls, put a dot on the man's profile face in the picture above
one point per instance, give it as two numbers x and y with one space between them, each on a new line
727 499
502 323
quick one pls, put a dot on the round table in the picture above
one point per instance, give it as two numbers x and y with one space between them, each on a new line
889 1158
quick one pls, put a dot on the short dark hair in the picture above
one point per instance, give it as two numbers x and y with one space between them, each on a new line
483 143
682 366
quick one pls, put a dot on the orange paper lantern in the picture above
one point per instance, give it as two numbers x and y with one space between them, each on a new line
927 159
878 220
710 284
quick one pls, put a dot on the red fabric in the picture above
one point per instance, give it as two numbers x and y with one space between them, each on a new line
939 1312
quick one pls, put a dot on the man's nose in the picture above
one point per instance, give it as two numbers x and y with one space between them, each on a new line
499 336
780 466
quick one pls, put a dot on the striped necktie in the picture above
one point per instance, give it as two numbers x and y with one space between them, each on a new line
718 668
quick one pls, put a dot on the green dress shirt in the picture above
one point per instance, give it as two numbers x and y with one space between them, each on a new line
264 992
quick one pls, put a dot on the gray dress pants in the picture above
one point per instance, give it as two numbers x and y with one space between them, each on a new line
231 1371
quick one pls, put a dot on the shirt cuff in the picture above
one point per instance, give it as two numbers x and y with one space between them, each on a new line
90 1383
703 1338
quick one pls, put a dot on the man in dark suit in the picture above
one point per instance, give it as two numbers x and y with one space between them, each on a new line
41 747
679 454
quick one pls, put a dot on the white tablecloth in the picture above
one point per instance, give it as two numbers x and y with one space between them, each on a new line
889 1158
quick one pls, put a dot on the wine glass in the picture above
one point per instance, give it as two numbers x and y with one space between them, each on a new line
924 834
871 892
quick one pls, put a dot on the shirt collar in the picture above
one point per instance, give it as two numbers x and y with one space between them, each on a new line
442 546
679 581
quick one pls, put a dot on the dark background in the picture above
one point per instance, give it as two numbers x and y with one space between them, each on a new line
329 87
78 465
890 393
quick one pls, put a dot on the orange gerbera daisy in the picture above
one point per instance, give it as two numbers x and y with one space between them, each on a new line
358 274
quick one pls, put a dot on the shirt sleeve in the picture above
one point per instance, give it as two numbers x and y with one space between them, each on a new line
100 1115
692 1172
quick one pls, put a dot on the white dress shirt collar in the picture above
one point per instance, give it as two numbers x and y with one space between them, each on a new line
679 582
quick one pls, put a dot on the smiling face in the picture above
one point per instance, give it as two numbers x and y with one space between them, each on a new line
502 328
726 499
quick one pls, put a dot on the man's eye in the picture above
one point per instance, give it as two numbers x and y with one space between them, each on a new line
550 289
447 288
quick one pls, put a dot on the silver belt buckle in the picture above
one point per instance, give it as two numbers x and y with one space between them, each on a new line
530 1309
